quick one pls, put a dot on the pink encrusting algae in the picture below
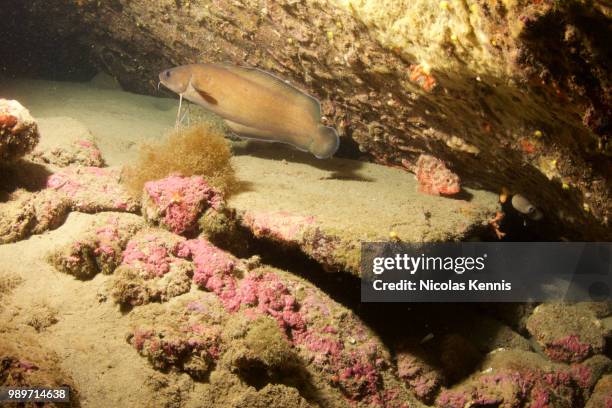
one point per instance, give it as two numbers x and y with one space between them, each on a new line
213 268
510 383
150 254
347 353
100 248
177 202
569 349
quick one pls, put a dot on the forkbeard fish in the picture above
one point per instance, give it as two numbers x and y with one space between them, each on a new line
255 104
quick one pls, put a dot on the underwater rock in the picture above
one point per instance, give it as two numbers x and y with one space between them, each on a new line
18 131
31 213
334 346
272 396
183 338
151 270
567 333
85 189
92 189
435 178
98 248
326 211
177 202
602 394
65 141
26 363
518 378
417 373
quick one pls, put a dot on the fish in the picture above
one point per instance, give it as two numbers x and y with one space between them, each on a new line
255 104
434 177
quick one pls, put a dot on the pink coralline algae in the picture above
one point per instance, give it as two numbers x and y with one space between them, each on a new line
269 296
567 333
516 381
92 189
568 349
151 254
213 269
151 270
192 348
99 249
281 226
177 202
344 351
435 178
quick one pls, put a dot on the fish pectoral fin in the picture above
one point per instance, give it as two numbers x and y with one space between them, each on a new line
206 96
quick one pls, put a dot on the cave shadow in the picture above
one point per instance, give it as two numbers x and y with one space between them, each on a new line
340 169
22 174
462 195
292 373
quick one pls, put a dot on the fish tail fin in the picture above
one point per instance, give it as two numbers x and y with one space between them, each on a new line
325 143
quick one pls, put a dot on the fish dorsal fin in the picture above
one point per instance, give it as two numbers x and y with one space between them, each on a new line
270 81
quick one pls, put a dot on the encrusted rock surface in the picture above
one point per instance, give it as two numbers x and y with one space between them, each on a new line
326 209
74 188
18 131
567 333
65 141
151 269
177 202
99 248
602 394
520 378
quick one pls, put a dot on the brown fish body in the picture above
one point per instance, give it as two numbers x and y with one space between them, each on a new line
255 104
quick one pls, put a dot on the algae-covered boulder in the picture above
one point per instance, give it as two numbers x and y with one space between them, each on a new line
98 248
18 131
151 269
262 325
65 141
519 378
176 203
567 333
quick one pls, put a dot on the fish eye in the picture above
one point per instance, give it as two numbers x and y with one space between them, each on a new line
167 73
531 209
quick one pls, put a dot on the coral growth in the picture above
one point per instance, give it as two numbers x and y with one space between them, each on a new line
198 150
177 202
18 131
